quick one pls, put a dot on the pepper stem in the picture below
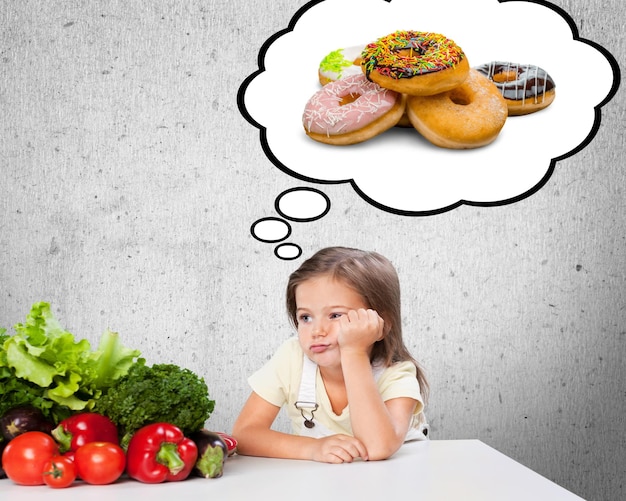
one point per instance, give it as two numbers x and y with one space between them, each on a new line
168 456
63 438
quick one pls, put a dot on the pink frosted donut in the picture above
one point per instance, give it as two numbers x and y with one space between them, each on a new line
351 110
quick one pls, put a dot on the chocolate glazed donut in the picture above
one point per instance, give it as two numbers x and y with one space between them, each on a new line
525 87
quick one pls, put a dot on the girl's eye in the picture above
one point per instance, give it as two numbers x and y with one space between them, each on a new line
304 319
335 315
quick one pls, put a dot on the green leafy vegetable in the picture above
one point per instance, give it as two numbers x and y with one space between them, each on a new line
160 393
15 392
42 364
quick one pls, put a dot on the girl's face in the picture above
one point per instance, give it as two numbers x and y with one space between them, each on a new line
320 302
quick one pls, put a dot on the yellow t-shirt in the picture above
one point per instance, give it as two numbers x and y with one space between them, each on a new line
278 382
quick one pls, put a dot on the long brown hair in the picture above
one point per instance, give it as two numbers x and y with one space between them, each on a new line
375 279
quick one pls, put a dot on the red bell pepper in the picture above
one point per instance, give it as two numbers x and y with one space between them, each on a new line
230 441
160 452
83 428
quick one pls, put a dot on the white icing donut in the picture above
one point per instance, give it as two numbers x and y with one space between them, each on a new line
526 88
351 110
340 63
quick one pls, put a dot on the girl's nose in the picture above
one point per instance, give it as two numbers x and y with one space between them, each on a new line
319 329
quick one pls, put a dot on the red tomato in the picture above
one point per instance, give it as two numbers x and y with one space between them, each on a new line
24 457
100 463
59 472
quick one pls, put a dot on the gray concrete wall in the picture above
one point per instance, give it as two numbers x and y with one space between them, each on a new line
129 182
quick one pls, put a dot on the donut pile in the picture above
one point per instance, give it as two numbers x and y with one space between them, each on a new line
422 80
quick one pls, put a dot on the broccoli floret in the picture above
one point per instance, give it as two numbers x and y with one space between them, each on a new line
159 393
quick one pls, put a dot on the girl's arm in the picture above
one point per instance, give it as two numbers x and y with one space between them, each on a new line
256 438
380 426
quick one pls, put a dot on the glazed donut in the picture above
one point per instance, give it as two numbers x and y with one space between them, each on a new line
417 63
468 116
339 64
351 110
526 88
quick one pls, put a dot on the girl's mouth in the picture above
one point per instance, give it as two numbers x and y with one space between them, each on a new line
318 348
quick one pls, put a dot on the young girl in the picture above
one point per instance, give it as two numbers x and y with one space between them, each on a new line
349 384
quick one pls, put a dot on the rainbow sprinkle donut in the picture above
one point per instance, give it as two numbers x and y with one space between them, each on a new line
415 62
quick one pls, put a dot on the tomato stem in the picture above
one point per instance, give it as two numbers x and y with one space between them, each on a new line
56 472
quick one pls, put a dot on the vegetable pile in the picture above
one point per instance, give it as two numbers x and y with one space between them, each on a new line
43 365
161 393
70 412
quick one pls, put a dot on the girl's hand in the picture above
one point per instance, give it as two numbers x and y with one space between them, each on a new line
338 449
359 330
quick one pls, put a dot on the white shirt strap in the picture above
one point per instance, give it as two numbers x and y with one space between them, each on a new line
306 396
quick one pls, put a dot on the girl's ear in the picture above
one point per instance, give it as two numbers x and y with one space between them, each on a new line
386 328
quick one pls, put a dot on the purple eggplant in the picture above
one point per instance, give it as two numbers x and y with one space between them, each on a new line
21 419
212 452
3 444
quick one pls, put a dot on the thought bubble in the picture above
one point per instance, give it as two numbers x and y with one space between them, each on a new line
399 171
300 204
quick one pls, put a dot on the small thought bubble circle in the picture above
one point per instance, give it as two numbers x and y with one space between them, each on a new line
270 229
288 251
302 204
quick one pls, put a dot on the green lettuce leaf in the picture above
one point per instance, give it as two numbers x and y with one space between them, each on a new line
113 359
42 353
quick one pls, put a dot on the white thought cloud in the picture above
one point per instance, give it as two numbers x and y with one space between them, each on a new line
399 170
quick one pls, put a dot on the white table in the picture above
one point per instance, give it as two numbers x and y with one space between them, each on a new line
446 470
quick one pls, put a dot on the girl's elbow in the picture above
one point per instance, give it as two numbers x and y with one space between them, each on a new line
380 452
244 434
245 441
